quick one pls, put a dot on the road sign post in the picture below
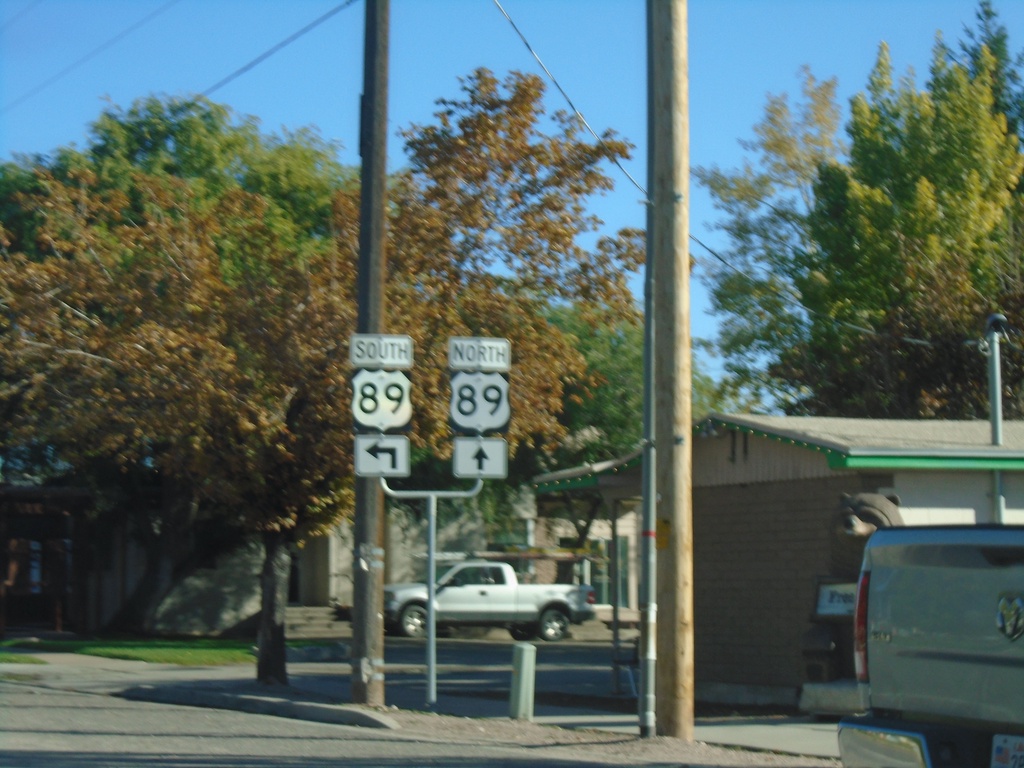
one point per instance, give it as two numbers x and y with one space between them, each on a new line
381 403
431 498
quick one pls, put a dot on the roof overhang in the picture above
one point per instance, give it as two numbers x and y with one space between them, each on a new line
847 444
849 455
612 477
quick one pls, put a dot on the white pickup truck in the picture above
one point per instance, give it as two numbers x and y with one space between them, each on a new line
939 646
484 593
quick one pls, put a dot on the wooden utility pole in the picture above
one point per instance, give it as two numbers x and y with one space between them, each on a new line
668 241
368 554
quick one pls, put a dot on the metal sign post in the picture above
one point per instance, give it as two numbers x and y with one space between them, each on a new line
479 406
431 498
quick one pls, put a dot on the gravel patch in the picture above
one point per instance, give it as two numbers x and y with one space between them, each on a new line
590 746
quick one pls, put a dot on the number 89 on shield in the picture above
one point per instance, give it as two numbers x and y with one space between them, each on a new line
479 402
381 400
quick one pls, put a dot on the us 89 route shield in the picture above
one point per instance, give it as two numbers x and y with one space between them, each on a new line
479 403
381 400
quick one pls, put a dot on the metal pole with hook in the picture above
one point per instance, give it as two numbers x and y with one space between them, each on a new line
994 328
431 498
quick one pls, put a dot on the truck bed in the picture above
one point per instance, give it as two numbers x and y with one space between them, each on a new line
934 643
942 678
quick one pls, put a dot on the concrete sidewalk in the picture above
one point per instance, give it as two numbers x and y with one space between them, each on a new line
318 692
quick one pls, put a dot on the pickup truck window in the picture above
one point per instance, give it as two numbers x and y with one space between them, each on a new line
474 576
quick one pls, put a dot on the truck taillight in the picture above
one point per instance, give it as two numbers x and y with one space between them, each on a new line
591 597
860 628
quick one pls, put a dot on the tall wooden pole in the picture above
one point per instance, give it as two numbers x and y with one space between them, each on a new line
368 555
668 241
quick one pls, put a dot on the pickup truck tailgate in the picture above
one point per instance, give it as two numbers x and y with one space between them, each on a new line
946 623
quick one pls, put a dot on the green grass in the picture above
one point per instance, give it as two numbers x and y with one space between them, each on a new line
201 652
18 658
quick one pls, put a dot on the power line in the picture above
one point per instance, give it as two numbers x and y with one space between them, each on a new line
793 300
565 96
786 296
19 14
87 57
789 299
271 51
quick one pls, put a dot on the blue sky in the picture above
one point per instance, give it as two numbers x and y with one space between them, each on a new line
60 65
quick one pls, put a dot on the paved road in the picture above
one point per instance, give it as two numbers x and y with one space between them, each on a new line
45 719
477 667
46 727
57 729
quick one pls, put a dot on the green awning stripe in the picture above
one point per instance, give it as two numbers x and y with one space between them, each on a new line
842 461
570 484
584 481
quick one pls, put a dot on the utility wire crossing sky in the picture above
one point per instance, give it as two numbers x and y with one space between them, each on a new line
299 63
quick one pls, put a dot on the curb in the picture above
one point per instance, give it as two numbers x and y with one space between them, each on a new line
334 714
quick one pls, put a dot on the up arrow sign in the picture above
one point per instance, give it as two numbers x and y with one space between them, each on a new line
480 457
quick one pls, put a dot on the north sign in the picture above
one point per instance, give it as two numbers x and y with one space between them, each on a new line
382 456
475 353
381 400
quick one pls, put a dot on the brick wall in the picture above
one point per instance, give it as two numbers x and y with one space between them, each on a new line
759 550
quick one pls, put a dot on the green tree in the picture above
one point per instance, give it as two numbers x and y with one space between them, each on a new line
866 298
910 236
181 299
603 409
189 336
992 39
766 208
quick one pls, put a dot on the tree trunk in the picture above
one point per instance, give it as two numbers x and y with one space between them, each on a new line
161 534
271 663
132 613
566 571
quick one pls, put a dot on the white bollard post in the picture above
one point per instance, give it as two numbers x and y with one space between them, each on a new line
524 664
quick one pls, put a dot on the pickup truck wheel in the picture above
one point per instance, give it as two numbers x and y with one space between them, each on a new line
522 632
554 625
413 621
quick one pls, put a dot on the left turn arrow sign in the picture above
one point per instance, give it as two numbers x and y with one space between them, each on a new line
382 456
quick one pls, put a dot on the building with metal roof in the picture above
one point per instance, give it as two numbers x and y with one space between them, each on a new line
767 494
